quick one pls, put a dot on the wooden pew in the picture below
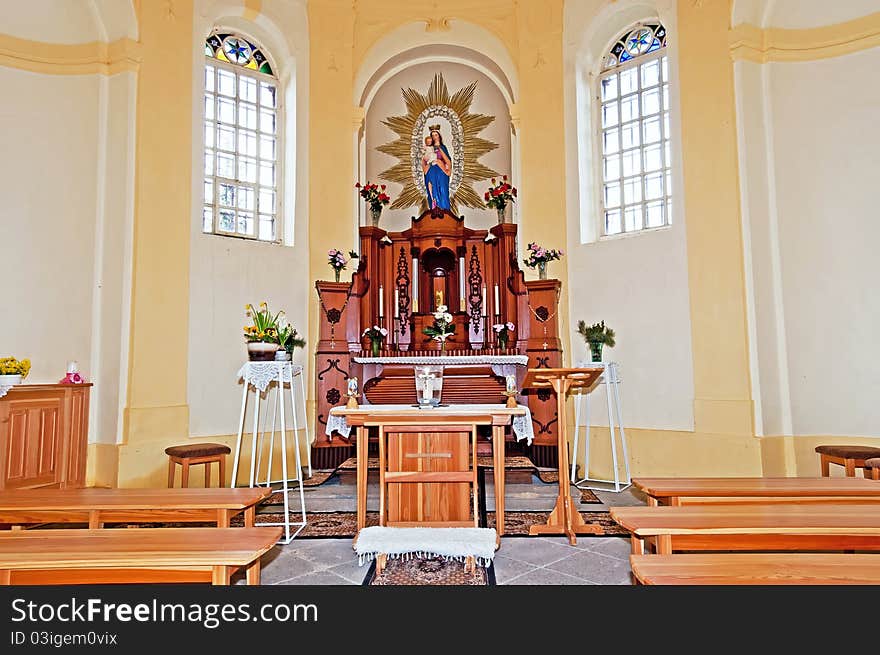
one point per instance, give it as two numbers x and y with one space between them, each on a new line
757 569
140 555
22 507
686 491
758 527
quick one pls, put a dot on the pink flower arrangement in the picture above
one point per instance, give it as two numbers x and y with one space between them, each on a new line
540 255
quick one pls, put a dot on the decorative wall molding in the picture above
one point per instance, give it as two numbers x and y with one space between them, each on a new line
97 57
751 43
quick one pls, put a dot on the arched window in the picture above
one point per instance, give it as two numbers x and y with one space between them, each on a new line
633 102
242 140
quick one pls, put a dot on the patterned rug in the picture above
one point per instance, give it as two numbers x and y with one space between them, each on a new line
422 571
326 525
513 462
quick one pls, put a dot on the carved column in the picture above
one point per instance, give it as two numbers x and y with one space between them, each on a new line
332 362
540 307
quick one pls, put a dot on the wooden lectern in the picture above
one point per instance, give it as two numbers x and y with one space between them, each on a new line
565 518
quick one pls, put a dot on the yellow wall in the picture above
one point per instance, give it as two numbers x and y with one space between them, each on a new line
156 408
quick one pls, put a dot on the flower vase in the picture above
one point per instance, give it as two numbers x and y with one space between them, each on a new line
10 380
375 215
442 345
261 351
375 347
500 211
336 272
596 351
502 343
542 270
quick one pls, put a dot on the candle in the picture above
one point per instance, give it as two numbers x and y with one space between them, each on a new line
72 367
485 309
396 302
497 304
428 392
381 313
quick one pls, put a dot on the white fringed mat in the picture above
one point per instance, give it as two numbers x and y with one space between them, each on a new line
448 543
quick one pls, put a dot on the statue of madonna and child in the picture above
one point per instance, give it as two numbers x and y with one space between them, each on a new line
436 165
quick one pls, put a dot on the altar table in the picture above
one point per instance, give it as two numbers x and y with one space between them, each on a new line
452 418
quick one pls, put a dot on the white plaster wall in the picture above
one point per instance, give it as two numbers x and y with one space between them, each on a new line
388 101
826 144
804 14
47 221
51 21
637 284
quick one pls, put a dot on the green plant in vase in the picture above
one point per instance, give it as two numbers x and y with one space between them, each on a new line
596 336
288 338
442 328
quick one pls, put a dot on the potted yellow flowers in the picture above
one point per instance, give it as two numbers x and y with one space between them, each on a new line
262 335
13 371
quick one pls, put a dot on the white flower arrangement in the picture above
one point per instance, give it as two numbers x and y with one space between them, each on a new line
443 327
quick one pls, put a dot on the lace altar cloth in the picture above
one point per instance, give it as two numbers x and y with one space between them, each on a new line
502 365
261 374
522 425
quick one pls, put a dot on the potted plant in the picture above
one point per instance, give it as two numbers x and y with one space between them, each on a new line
375 334
596 336
442 328
338 262
539 256
376 198
13 371
502 333
262 335
288 339
500 195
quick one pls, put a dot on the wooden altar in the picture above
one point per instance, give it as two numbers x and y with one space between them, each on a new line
402 277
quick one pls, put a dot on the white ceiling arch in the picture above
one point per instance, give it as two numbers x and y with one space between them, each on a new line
464 43
799 14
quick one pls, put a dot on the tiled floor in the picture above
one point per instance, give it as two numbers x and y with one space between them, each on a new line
519 561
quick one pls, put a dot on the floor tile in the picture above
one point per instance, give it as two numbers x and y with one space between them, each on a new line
506 569
594 568
546 577
533 550
618 547
318 578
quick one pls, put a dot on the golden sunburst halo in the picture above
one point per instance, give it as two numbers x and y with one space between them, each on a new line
466 146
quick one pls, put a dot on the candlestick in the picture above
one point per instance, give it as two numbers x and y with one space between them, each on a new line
381 313
396 302
497 304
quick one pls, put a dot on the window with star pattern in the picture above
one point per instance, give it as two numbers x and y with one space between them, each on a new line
633 104
242 140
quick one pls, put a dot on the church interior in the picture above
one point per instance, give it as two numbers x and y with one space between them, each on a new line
465 292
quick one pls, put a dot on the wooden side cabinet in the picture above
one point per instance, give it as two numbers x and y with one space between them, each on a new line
44 436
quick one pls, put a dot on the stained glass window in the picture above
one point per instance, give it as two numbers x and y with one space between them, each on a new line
242 140
633 125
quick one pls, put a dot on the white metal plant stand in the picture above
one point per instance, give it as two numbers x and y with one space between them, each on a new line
280 376
611 379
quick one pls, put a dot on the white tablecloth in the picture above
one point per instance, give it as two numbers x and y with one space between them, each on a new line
522 425
261 374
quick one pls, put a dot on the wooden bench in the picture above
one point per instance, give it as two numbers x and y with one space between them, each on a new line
759 527
140 555
757 569
688 491
21 507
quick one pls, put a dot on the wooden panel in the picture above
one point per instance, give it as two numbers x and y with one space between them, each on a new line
756 487
757 569
431 452
457 390
78 436
33 447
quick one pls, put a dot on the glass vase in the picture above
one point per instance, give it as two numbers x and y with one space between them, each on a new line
596 351
337 272
542 270
429 385
375 347
502 343
500 211
375 215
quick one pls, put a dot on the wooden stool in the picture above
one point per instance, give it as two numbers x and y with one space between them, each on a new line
197 453
874 465
849 457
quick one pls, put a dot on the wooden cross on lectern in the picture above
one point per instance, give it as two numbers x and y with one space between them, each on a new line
565 517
